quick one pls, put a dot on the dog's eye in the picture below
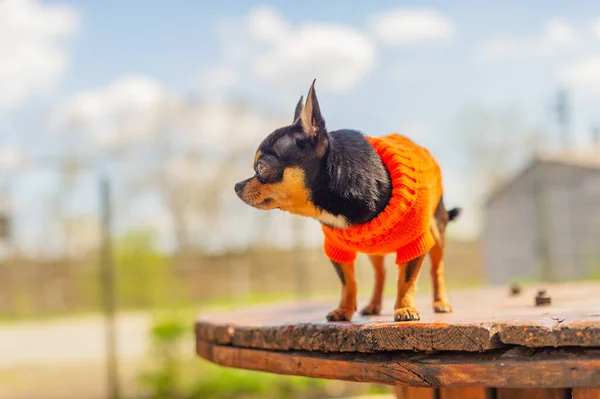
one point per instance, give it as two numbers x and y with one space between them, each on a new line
260 168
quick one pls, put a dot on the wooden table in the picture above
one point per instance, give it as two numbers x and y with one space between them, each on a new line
493 345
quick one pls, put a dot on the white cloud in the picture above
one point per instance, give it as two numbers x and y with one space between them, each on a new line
411 26
274 51
132 92
136 109
265 24
219 78
123 111
337 55
32 47
558 35
584 74
278 53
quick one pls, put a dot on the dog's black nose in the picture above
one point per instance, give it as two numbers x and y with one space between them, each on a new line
239 186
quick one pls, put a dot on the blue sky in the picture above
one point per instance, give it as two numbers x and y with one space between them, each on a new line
415 85
381 66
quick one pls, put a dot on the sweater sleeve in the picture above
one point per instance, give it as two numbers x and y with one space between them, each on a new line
337 254
416 248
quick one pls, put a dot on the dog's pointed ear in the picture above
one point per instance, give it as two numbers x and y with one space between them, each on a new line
299 108
310 118
312 122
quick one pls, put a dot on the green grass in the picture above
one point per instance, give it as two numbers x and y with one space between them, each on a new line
201 379
213 381
172 375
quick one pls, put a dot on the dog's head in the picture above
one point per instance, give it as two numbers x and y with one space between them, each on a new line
287 163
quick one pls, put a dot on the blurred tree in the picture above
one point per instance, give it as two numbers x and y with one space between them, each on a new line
179 151
496 143
188 178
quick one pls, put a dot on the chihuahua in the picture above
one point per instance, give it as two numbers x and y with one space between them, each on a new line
372 195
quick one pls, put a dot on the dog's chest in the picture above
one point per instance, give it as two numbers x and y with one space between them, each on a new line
338 222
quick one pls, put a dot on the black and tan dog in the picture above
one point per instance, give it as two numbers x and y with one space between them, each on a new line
371 195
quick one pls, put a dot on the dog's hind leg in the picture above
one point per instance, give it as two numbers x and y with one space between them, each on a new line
441 303
374 307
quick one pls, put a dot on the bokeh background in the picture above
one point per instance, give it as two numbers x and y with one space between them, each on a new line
124 126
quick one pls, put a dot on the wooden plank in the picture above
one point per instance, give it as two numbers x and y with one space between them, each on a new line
494 320
340 337
586 393
407 392
509 367
464 393
533 393
581 329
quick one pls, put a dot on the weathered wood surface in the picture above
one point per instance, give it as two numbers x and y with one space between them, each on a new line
461 393
533 393
507 367
408 392
483 319
586 393
464 393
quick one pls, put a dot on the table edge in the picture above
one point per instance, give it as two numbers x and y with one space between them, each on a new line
499 368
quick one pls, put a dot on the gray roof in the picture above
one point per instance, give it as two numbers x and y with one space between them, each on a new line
580 158
585 158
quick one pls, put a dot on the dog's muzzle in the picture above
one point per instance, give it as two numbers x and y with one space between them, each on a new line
239 187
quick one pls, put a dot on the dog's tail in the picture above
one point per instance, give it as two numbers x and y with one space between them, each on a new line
453 213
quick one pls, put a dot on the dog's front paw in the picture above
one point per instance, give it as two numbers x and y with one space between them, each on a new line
371 309
340 315
406 314
442 307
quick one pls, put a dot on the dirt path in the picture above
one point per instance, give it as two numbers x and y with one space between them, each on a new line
72 340
64 359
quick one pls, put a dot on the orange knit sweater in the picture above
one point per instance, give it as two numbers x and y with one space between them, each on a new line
403 226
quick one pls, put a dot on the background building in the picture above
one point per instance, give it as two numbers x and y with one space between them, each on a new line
545 222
